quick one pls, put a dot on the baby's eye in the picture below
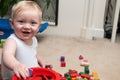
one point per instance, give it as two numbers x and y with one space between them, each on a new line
21 21
33 22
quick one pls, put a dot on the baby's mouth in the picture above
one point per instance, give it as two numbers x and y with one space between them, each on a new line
26 32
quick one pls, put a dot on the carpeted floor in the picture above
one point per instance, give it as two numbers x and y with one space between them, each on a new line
102 55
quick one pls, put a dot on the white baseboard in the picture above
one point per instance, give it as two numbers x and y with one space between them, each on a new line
98 33
90 33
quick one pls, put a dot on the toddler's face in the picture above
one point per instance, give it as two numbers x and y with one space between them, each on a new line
26 24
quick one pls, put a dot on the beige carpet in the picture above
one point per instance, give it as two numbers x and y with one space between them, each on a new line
102 55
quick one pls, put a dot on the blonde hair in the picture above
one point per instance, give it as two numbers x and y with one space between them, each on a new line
23 5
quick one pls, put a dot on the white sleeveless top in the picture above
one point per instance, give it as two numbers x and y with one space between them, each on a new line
24 53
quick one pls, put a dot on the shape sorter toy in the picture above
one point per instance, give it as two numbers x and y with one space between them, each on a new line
41 74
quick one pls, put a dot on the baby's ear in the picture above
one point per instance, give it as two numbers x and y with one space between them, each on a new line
40 25
11 23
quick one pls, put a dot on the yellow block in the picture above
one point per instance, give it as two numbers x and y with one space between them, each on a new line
95 75
73 78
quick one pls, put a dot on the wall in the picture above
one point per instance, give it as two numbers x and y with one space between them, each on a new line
71 16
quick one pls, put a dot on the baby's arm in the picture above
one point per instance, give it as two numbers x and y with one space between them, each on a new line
8 57
42 62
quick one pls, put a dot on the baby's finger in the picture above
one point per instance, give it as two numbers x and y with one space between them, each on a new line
24 73
17 74
49 66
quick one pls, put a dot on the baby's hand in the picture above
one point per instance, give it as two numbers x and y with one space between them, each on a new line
21 71
49 66
46 65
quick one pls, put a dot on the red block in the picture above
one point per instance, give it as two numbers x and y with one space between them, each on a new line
63 78
74 75
63 63
85 76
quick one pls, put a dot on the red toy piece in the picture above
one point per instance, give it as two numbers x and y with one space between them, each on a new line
72 71
63 63
85 76
81 57
73 75
41 74
34 78
63 78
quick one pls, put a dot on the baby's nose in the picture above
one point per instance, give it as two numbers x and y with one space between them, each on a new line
27 26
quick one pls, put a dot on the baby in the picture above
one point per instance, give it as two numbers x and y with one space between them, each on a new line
20 49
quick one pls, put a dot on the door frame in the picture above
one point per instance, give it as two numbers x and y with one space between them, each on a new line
115 22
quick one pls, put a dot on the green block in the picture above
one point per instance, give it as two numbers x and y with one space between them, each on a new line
86 70
66 75
85 79
68 78
81 73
